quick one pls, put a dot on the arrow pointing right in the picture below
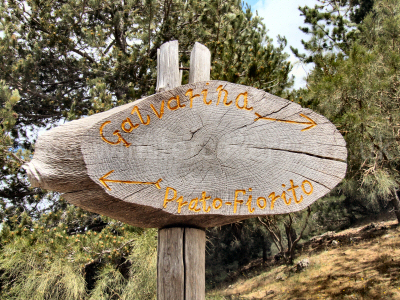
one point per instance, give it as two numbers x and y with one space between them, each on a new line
310 122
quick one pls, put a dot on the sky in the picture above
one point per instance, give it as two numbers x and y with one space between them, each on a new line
283 17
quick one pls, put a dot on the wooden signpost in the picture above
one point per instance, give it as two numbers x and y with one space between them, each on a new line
204 154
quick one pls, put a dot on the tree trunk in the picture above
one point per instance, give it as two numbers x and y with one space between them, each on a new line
396 205
264 249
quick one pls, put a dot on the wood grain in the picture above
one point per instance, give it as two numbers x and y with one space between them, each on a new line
219 151
195 263
170 264
168 67
181 264
200 63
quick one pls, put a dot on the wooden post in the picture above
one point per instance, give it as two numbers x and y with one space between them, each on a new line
168 66
195 263
171 264
181 250
181 264
200 63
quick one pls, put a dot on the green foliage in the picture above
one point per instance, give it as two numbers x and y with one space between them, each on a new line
7 115
332 26
15 196
357 87
49 259
11 158
8 100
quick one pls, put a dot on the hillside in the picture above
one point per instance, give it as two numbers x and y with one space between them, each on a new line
358 263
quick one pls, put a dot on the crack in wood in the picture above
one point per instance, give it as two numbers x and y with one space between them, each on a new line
193 133
313 180
301 152
277 111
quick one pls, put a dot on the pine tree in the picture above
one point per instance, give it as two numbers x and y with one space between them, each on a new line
53 258
332 27
357 88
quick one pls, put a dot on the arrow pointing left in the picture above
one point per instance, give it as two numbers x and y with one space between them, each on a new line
104 181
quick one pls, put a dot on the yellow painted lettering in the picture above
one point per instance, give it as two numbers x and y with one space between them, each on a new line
128 121
120 138
136 109
116 132
215 205
159 115
264 205
236 202
244 95
178 103
189 93
273 199
180 203
205 92
251 210
203 199
220 90
283 196
166 199
293 189
304 189
193 204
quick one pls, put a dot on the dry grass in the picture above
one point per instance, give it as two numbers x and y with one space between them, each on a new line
367 269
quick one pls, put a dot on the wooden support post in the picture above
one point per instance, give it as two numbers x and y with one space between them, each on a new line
170 264
181 250
200 63
195 263
181 264
168 67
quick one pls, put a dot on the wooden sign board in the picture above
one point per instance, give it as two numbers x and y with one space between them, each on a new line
202 154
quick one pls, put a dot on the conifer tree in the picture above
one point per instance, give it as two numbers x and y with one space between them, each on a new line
357 87
332 27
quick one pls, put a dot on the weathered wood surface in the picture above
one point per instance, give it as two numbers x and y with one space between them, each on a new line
181 264
195 264
168 76
170 264
251 159
192 148
200 63
187 245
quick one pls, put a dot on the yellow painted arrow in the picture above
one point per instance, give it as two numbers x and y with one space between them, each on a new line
311 122
103 180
